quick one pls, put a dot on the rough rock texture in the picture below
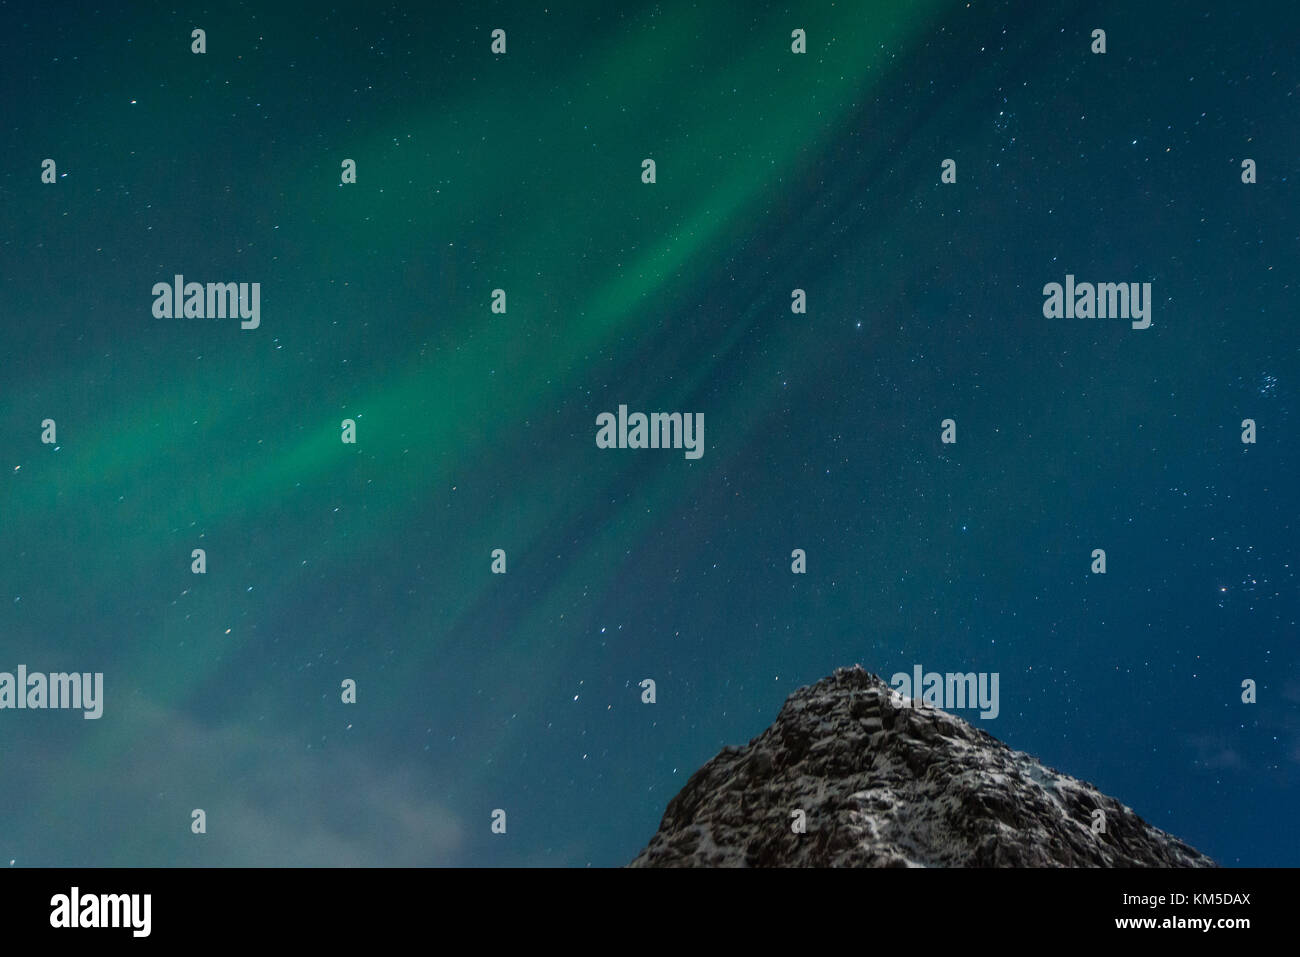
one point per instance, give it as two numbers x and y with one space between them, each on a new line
886 785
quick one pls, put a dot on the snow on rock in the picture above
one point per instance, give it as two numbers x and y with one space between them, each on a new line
889 786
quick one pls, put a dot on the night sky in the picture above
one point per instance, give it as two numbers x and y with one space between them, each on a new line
476 430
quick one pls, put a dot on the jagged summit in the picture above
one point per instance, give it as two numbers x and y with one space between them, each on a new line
882 784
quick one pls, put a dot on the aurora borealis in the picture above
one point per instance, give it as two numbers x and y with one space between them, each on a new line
476 430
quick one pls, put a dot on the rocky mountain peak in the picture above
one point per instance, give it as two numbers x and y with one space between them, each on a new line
876 782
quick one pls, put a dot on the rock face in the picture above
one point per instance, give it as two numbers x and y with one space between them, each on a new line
883 784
